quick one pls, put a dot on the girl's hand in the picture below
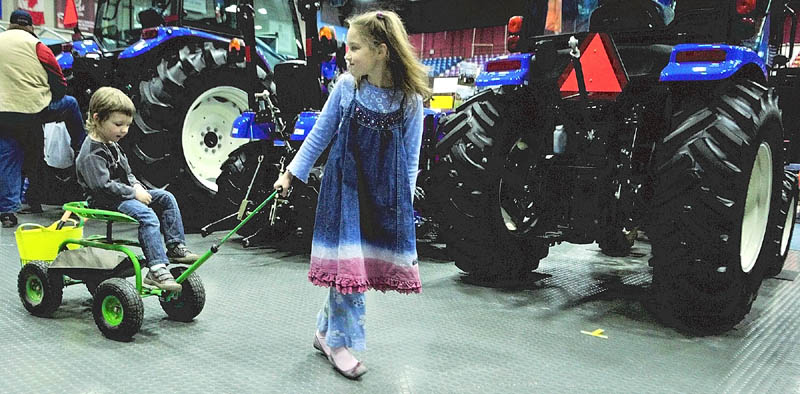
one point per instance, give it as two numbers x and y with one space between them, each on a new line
141 194
283 182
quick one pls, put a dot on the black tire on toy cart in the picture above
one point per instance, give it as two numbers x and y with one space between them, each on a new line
186 305
91 285
39 292
717 178
117 309
781 226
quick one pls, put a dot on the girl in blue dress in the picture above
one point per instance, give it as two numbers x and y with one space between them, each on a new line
364 229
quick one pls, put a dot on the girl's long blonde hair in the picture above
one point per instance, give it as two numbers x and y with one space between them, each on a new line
408 74
105 101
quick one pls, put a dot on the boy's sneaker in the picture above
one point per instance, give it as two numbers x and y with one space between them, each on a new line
162 279
178 253
8 219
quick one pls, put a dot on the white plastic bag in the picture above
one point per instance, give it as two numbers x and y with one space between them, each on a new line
57 150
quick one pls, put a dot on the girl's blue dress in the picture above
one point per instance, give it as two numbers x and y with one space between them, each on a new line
364 230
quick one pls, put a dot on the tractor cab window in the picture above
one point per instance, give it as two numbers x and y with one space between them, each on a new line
275 26
213 14
119 23
563 17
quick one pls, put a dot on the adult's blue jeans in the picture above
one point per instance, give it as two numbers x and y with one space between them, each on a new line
10 174
160 224
27 130
66 110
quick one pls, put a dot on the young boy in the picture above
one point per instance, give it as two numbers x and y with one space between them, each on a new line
106 177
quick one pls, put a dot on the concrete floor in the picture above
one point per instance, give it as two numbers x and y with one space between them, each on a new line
255 334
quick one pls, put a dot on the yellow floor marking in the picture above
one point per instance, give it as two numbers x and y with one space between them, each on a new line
596 333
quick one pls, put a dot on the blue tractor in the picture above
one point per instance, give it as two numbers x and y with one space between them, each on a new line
673 117
185 65
248 174
273 131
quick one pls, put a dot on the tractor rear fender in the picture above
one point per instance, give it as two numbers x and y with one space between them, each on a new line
505 70
80 48
305 122
711 62
65 60
164 34
245 127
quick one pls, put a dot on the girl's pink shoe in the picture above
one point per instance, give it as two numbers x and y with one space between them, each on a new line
353 373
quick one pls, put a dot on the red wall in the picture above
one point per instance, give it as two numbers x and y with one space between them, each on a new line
460 42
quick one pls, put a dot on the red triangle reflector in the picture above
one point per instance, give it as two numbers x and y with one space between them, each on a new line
602 70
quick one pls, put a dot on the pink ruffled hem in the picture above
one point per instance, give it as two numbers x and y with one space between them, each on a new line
347 285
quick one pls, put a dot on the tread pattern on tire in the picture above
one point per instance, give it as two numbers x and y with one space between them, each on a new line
190 302
52 290
465 186
697 203
133 309
775 252
237 172
154 146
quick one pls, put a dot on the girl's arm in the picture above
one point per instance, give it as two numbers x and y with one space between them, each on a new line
320 135
413 139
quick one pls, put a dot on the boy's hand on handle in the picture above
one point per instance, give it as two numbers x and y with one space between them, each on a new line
283 182
141 194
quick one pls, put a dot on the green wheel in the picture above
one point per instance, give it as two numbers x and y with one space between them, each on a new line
117 309
40 294
187 304
112 311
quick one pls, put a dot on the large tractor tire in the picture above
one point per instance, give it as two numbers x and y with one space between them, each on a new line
181 131
294 220
237 174
617 243
465 185
717 175
781 225
61 185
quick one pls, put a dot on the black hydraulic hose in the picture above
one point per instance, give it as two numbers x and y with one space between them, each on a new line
792 30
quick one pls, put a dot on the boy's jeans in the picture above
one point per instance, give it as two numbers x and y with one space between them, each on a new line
159 223
10 174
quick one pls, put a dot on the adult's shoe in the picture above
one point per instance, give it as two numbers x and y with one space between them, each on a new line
8 219
32 208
